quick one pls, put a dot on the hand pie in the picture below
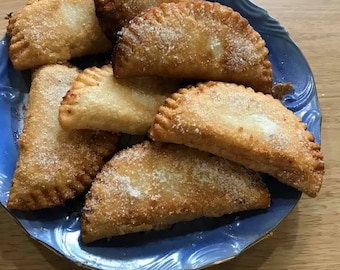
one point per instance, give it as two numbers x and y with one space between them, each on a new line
52 31
197 40
97 100
114 14
249 128
54 165
152 186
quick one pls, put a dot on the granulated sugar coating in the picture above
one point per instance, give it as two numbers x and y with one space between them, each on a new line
194 40
152 185
113 15
252 129
52 31
54 165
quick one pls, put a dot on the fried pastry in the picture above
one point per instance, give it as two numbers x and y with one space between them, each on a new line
114 14
197 40
249 128
99 101
152 186
52 31
279 90
54 165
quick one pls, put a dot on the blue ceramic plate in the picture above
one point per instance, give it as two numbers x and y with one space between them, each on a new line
191 245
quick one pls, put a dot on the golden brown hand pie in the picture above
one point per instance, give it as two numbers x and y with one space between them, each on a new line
114 14
250 128
151 186
54 165
52 31
97 100
197 40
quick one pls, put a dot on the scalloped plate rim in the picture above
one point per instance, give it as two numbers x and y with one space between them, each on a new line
263 236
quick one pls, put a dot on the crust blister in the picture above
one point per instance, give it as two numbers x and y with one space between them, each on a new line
194 40
155 185
250 128
99 101
54 165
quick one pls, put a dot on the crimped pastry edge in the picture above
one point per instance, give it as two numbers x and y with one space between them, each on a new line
120 59
162 125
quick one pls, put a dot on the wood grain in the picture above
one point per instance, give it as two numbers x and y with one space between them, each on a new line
309 238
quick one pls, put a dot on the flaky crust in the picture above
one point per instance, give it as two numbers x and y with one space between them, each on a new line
54 165
114 14
151 186
52 31
194 40
250 128
99 101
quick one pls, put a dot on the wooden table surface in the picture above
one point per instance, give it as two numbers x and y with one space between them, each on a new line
309 238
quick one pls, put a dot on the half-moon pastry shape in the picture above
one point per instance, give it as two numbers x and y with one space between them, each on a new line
151 186
246 127
99 101
53 31
197 40
54 165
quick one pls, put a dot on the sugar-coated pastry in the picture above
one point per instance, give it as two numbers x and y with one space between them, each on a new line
114 14
197 40
99 101
246 127
54 165
52 31
152 186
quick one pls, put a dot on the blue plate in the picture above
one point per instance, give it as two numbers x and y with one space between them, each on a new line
191 245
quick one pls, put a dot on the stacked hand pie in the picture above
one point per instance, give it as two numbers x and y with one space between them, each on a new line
193 77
